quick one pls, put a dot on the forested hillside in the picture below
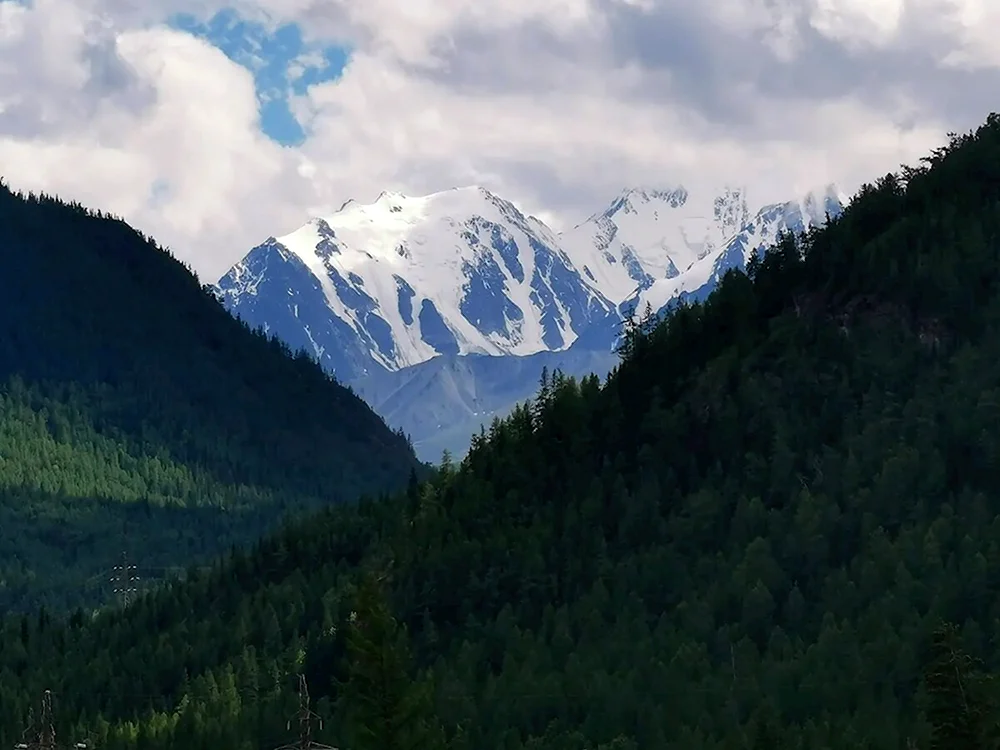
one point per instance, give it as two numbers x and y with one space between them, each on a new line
136 415
747 538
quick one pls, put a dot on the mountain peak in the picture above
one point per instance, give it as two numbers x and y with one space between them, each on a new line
469 190
822 200
460 200
406 278
396 201
629 199
727 199
650 233
471 193
828 192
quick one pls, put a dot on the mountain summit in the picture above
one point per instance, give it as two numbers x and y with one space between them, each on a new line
404 279
648 234
755 234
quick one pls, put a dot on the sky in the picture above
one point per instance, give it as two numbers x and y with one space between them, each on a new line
212 125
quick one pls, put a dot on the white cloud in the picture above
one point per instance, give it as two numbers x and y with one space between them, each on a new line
858 23
976 22
557 105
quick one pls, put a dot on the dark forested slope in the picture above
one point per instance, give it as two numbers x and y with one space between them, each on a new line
744 539
136 414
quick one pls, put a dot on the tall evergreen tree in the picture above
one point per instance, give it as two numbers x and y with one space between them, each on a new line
387 708
957 709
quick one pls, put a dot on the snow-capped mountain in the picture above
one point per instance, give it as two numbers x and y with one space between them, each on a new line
647 235
756 234
420 303
405 279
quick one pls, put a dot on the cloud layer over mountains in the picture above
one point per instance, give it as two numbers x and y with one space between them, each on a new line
554 104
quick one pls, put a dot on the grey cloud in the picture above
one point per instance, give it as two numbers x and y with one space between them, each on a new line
110 77
730 79
713 69
528 58
41 103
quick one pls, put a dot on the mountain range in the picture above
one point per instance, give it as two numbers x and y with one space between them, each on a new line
441 310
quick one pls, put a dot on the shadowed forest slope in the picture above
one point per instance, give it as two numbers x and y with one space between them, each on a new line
137 415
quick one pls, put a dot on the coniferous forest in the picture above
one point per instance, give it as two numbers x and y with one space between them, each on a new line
137 416
775 525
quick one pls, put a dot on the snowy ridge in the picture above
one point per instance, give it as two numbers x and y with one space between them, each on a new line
381 287
646 235
757 234
457 272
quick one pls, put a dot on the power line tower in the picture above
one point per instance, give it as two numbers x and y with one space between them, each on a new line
124 580
305 718
42 735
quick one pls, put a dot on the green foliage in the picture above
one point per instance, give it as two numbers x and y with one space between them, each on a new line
958 702
136 414
748 537
386 710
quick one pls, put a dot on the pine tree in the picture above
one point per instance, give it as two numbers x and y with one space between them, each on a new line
956 709
386 708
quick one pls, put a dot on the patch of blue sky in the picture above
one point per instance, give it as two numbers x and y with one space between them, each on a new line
281 61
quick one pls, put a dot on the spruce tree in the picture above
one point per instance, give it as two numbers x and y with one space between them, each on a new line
386 708
956 708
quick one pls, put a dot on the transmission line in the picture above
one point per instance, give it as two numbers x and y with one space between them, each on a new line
124 580
42 736
305 717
